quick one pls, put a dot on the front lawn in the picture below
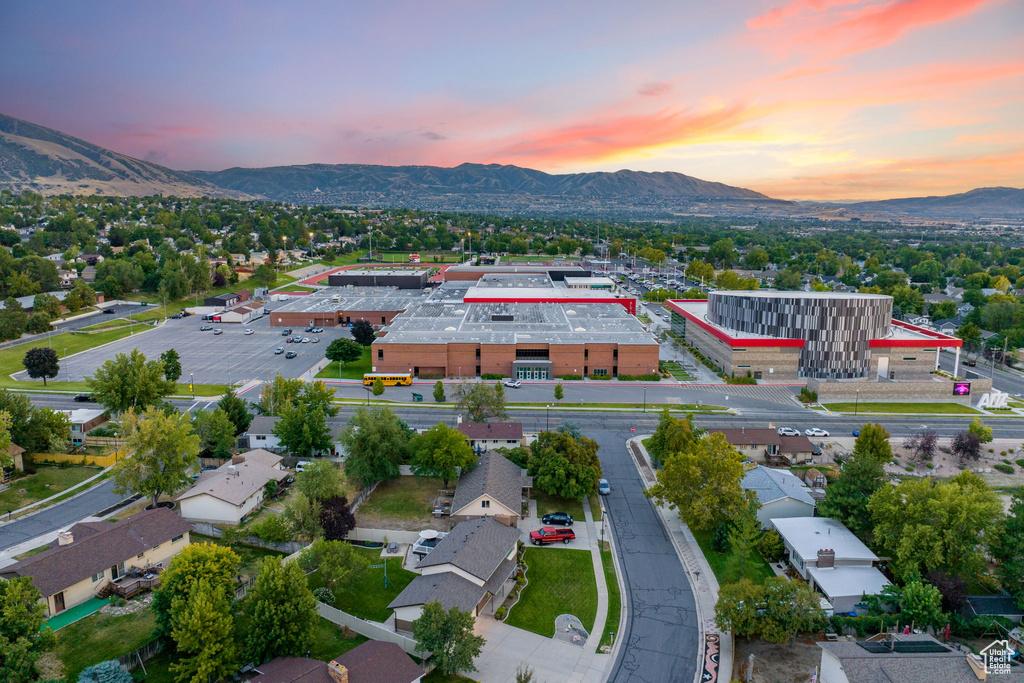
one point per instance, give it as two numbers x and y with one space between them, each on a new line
406 502
353 369
251 555
100 637
48 480
548 503
367 598
725 567
614 600
560 581
862 407
437 676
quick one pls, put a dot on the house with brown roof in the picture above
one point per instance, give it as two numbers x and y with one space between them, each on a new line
89 557
372 662
483 436
496 487
767 446
229 493
470 568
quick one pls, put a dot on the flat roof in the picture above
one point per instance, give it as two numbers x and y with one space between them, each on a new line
437 322
382 271
353 298
844 582
808 535
785 294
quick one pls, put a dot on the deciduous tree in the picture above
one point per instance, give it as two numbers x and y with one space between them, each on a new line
363 332
303 515
204 628
344 351
320 480
449 635
980 430
23 638
172 365
846 499
336 518
479 401
775 611
966 445
215 431
282 612
441 452
439 396
129 381
336 562
41 362
377 442
163 452
563 465
378 386
303 431
559 392
673 435
215 563
1007 547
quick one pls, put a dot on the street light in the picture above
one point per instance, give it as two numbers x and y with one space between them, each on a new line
856 404
547 420
67 372
368 390
645 399
192 385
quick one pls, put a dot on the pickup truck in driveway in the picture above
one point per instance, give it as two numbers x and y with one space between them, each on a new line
550 534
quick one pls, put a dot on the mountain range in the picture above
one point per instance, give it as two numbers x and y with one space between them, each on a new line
47 161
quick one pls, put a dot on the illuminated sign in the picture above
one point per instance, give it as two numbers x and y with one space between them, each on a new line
961 388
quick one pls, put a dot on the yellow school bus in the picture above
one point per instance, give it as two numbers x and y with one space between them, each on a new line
389 379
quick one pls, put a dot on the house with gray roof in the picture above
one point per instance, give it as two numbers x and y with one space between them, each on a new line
229 493
260 433
470 568
496 487
780 492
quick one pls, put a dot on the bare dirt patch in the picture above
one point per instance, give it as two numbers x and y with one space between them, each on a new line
794 662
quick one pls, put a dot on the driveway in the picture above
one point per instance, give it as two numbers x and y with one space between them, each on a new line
551 660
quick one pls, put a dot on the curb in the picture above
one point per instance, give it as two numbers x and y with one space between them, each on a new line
46 507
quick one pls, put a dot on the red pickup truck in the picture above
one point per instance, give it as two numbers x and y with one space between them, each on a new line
550 534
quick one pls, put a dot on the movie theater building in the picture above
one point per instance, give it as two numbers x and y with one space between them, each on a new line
795 335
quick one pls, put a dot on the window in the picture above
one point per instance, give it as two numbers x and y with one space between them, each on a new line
380 354
478 354
586 354
911 358
139 556
261 438
485 503
177 538
615 354
97 577
601 372
531 353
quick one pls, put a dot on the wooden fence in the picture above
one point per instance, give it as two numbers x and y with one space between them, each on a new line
208 529
370 629
76 458
130 661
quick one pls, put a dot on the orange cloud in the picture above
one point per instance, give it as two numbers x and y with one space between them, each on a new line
775 17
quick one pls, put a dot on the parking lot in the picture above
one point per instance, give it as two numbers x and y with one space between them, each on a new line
212 359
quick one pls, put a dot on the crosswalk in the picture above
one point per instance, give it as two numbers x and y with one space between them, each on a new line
766 392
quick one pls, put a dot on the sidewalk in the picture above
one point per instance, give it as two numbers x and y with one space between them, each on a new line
703 582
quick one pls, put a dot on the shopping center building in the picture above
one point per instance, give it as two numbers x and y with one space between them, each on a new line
797 335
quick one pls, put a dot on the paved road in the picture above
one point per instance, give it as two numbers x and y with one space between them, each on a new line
1010 382
59 516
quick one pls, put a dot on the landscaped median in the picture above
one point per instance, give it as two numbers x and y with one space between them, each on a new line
906 408
560 581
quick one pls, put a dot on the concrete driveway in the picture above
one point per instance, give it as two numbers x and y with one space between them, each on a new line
551 660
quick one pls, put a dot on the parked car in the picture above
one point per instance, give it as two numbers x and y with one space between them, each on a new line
512 383
285 333
315 340
84 398
787 431
205 328
603 487
563 518
218 331
309 329
317 330
279 350
176 316
550 534
971 363
814 431
301 465
109 311
250 331
305 340
289 340
290 354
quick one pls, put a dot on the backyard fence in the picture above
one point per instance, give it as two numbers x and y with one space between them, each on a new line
208 529
354 504
370 629
382 536
75 458
136 658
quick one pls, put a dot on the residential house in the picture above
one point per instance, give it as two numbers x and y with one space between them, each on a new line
780 492
91 259
831 559
90 556
471 568
765 445
965 309
906 658
374 661
261 432
918 319
229 493
89 274
948 326
67 278
496 487
485 435
83 420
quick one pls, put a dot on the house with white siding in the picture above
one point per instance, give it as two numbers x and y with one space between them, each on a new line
228 494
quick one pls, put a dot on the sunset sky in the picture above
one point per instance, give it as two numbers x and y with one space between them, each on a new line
799 99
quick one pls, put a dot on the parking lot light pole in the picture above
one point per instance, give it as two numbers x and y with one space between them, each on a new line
67 372
192 385
645 399
547 419
856 404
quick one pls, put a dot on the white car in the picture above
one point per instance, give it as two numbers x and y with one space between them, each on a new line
512 383
305 340
250 331
814 431
787 431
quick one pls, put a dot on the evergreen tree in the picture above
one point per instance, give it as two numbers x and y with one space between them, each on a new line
745 535
202 626
23 638
1007 547
378 386
282 612
362 332
235 409
846 499
109 671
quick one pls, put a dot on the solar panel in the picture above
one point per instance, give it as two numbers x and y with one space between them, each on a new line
905 647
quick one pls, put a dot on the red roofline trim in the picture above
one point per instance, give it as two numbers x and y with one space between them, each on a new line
628 304
936 339
731 341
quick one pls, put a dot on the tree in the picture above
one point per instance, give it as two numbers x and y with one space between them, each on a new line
109 671
344 351
378 386
264 275
774 611
723 252
38 323
215 431
47 304
479 401
129 381
236 411
336 562
789 279
673 435
702 482
42 362
439 396
846 499
524 674
978 429
282 612
23 638
6 459
363 332
303 431
449 635
37 430
563 465
559 392
745 535
441 452
970 333
320 480
203 627
922 444
303 514
921 604
925 525
1007 547
952 588
279 393
336 518
163 450
377 442
966 445
172 365
214 563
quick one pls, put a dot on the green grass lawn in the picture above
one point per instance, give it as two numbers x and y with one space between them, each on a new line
561 581
595 507
437 676
295 288
251 555
367 598
547 503
100 637
106 325
348 259
405 498
47 481
862 407
724 564
352 370
614 599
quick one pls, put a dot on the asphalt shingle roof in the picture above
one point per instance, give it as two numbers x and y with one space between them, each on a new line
771 484
477 546
495 475
235 484
448 588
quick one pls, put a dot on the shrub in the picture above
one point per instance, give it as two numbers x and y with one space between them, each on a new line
806 396
499 613
570 377
720 538
521 580
490 375
324 594
272 528
431 375
909 468
1020 463
1005 469
771 546
601 377
740 380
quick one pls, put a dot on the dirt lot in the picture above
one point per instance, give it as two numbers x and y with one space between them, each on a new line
404 504
792 663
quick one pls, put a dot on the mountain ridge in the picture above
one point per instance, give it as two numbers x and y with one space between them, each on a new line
990 200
